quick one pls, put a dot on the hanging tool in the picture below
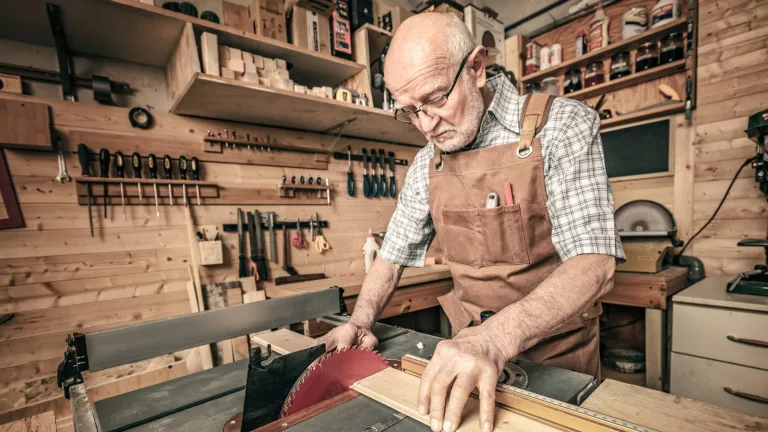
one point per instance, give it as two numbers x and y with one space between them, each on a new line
104 173
136 163
366 179
183 176
252 236
120 173
272 240
299 242
383 187
241 272
320 244
63 176
311 229
328 190
168 167
350 176
374 177
293 275
392 186
370 250
196 176
152 165
688 99
83 154
261 260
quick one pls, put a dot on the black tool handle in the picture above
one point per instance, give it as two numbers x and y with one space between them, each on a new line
374 176
83 154
392 186
195 169
168 167
350 183
104 163
152 165
136 163
383 187
366 179
119 165
182 168
242 266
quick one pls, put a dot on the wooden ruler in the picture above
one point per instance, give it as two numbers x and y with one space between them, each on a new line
542 408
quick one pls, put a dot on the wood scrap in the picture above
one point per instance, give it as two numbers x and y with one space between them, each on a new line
45 422
283 341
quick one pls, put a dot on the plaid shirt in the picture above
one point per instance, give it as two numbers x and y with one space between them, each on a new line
579 196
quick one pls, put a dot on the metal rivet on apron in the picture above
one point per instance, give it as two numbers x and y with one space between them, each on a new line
439 165
524 153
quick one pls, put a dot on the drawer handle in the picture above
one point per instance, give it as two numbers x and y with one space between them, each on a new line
754 342
746 395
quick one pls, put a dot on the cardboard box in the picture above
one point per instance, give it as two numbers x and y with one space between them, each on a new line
309 30
269 19
237 16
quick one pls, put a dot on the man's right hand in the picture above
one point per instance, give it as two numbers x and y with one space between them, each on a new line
347 335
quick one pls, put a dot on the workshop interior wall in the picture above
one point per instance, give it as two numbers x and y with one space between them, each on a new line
57 279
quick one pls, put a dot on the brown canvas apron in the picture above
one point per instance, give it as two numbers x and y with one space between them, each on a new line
499 255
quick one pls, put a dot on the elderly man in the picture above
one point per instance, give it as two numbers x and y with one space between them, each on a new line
539 259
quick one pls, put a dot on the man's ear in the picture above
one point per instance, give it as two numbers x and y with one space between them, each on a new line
476 62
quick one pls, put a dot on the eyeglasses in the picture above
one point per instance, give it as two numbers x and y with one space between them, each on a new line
411 116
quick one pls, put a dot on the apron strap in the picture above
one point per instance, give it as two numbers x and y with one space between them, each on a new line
437 159
533 117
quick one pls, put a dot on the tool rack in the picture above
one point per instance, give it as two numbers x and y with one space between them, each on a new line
208 191
218 144
289 190
280 225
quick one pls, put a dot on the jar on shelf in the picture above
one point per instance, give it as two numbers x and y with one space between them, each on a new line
572 81
550 86
533 87
620 65
647 57
671 48
594 74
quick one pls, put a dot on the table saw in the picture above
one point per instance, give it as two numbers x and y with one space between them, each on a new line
265 391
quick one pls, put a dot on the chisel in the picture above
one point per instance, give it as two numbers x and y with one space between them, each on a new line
136 162
272 240
241 245
383 163
350 176
152 165
366 179
196 176
120 173
168 168
261 261
392 187
104 173
183 176
374 176
85 167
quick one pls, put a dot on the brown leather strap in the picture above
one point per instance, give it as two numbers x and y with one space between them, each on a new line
533 117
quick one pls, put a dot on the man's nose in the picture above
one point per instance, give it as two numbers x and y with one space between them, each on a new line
428 122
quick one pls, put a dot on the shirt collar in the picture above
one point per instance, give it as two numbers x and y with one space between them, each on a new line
506 103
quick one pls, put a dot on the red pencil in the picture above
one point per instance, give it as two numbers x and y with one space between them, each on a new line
508 193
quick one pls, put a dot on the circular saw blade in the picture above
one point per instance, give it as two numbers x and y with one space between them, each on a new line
643 215
331 375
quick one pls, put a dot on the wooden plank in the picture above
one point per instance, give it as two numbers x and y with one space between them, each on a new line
399 390
663 411
646 290
10 84
735 107
642 115
28 372
654 349
209 51
183 65
684 176
45 422
25 125
240 346
211 97
283 341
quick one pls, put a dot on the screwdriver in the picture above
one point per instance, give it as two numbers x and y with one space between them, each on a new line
168 166
183 176
366 179
152 165
350 176
120 173
374 176
83 154
104 173
136 162
383 187
196 176
392 186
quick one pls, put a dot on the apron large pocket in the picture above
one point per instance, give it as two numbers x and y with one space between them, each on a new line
461 237
504 236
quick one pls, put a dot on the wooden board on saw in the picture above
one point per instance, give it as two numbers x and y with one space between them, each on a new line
25 125
45 422
646 290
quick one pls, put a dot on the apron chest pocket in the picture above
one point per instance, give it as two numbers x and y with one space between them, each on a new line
485 237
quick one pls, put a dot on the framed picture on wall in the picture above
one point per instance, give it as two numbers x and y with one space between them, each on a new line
10 212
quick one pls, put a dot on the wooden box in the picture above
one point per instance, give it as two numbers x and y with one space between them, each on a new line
10 84
237 16
309 30
25 125
269 19
211 252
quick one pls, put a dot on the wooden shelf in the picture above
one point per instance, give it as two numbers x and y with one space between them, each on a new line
656 34
642 115
136 32
372 29
226 99
629 80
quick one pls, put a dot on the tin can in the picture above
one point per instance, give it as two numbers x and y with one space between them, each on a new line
581 43
555 54
634 22
544 58
665 12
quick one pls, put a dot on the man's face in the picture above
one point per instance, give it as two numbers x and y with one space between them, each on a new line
451 125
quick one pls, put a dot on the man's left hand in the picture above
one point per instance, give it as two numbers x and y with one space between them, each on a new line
474 358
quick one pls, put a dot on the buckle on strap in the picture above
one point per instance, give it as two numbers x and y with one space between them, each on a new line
439 155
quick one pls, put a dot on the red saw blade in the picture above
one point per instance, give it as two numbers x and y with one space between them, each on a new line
331 375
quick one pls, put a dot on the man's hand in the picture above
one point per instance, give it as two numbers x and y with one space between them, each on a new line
474 358
347 335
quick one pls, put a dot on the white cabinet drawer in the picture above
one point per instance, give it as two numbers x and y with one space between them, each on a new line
703 331
703 379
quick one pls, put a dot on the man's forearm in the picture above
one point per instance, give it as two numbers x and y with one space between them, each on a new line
378 286
571 288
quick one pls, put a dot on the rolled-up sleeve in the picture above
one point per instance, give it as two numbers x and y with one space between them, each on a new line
579 196
411 231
